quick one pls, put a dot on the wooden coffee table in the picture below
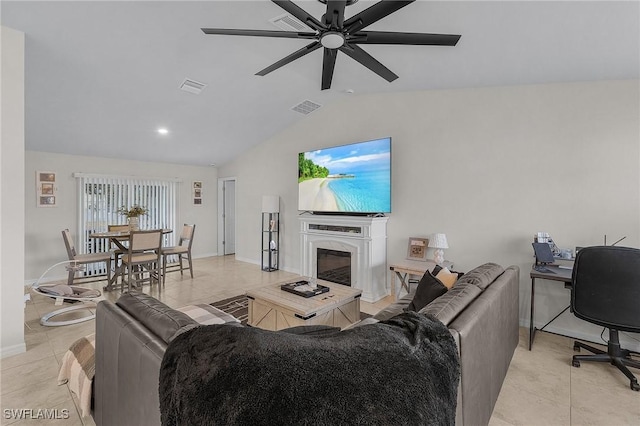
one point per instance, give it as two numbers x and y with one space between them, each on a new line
271 308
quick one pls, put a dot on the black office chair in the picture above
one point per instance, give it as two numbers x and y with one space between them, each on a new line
606 291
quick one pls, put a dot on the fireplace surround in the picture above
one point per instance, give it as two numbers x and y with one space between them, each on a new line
363 239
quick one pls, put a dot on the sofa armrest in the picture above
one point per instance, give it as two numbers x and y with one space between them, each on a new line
488 332
128 358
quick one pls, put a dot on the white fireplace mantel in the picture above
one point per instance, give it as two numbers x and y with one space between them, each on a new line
364 237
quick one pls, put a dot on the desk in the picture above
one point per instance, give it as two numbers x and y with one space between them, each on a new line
117 237
558 274
404 268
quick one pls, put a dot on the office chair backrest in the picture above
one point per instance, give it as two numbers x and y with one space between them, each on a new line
606 287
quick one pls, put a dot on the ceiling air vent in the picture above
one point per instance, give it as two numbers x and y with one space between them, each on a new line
306 107
288 22
192 86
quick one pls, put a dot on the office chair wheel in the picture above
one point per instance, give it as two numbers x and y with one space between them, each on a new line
576 347
575 363
635 386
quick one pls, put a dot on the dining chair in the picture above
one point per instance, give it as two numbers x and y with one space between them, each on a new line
181 250
115 250
143 255
83 259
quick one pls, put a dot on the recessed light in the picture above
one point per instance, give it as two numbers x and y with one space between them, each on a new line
163 131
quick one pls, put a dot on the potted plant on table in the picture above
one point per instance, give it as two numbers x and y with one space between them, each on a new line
133 215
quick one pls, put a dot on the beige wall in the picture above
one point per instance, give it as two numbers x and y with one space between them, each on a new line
43 240
489 167
12 193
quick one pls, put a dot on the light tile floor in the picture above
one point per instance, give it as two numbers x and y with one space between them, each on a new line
541 387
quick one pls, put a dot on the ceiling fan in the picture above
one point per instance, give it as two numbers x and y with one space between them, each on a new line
335 33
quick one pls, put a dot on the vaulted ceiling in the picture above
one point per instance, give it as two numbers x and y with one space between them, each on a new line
102 77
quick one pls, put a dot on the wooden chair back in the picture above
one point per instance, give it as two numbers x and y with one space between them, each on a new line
68 242
186 237
145 240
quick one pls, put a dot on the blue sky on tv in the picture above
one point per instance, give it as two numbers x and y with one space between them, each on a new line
352 158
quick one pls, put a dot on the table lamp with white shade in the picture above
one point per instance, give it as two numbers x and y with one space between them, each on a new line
439 242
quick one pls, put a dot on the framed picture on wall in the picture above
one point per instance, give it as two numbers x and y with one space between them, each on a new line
197 193
417 248
46 189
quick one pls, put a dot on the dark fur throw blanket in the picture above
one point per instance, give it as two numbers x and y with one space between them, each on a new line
403 371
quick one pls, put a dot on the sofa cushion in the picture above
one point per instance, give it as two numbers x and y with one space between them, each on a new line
159 318
482 276
395 308
447 307
446 277
429 288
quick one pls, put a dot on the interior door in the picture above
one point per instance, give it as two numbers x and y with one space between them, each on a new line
229 216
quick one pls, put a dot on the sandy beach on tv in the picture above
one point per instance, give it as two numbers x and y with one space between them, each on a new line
315 195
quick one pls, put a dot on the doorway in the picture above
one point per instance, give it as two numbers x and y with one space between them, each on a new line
226 216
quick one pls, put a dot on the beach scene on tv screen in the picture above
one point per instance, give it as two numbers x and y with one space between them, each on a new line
348 178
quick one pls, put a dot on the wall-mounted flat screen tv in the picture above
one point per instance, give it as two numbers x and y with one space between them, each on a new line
353 178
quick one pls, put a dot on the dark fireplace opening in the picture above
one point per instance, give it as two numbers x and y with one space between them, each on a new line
334 266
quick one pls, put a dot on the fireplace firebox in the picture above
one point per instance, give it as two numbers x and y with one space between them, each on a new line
334 266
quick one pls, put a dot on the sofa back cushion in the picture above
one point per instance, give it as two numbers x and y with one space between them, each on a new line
159 318
447 307
482 276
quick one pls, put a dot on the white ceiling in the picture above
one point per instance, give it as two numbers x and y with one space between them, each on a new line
101 77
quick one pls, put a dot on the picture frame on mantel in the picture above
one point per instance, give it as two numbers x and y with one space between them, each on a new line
417 248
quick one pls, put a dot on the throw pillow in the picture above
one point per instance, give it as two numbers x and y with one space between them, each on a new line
447 277
429 288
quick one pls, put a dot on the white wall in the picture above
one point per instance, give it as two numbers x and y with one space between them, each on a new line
12 194
489 167
43 239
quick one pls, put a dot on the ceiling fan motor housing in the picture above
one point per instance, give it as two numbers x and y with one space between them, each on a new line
332 40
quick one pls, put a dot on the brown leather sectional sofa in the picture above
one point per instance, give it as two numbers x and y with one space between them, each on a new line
481 311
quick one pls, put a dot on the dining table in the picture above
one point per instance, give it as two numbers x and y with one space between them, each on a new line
118 238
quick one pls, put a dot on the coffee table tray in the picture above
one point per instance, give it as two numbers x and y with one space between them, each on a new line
302 288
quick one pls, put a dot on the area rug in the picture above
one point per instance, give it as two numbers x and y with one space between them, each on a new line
238 306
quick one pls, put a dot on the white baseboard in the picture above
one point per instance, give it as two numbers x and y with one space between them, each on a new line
13 350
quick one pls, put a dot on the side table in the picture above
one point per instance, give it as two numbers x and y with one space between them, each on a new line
404 268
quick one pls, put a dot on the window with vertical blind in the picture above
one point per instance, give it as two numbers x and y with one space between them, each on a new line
100 197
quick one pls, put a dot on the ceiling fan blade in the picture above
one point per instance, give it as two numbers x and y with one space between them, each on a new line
328 65
334 17
292 57
384 37
259 33
373 14
300 13
368 61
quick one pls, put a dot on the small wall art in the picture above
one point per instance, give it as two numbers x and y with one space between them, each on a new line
197 193
417 249
46 189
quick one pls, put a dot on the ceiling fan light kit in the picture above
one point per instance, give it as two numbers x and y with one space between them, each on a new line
333 33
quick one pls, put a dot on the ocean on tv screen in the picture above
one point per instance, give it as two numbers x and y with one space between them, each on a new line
348 178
